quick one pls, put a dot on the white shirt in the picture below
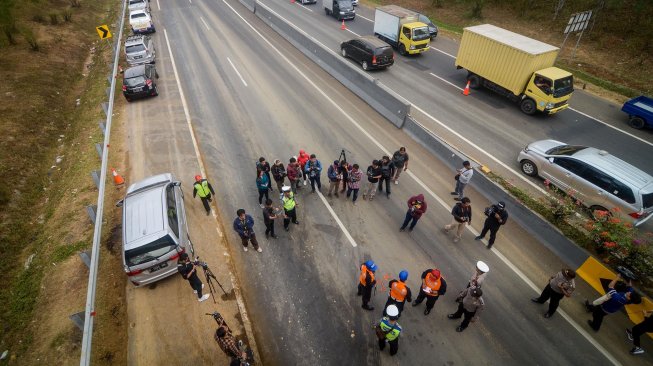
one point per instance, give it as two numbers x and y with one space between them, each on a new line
465 175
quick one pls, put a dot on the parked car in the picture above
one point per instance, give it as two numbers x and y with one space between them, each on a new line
369 51
141 22
139 49
305 2
599 180
433 29
340 9
139 5
640 112
154 229
354 2
140 81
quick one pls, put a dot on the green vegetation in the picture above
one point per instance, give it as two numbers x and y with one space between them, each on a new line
62 253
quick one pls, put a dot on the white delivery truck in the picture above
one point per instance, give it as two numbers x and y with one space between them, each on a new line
401 29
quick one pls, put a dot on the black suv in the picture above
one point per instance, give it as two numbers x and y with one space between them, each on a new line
369 51
139 81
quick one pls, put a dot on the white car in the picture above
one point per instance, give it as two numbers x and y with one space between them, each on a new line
141 22
139 5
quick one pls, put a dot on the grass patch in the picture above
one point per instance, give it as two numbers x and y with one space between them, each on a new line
62 253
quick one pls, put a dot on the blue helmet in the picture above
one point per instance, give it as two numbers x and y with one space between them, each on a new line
403 275
371 265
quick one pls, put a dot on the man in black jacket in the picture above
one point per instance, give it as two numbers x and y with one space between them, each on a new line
387 173
188 271
462 214
496 216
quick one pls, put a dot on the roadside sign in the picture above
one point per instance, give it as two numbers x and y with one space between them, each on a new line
103 31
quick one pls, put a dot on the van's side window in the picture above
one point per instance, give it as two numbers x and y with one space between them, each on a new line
598 178
572 165
172 209
406 32
622 191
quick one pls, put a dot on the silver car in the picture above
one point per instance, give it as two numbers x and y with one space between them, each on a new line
599 180
154 229
139 5
140 50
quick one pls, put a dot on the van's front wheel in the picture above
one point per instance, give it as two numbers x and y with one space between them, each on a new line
528 106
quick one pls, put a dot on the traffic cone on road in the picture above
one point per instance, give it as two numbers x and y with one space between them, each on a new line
292 1
117 178
343 26
466 90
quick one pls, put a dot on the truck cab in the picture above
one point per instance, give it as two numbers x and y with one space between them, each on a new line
414 38
548 91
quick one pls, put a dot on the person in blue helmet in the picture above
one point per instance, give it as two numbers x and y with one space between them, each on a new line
399 292
366 282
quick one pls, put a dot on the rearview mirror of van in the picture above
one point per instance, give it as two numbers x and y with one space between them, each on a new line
119 203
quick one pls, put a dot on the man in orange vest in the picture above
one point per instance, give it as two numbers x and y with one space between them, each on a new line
433 285
399 293
366 282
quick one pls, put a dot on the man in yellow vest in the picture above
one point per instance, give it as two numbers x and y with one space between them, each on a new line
289 207
388 330
433 285
366 282
399 293
203 188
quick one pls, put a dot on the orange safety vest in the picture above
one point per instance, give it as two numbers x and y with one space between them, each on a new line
364 271
432 284
398 291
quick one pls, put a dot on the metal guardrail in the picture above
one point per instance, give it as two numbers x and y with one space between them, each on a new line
89 313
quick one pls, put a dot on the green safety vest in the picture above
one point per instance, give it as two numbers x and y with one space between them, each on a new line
202 188
393 334
289 202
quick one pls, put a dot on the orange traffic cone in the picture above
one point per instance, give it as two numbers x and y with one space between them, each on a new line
466 90
343 26
292 1
117 178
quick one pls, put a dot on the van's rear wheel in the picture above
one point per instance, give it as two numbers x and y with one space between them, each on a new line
528 106
365 65
474 81
637 122
343 52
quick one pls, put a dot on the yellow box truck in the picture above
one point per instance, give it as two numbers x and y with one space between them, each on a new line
515 66
401 29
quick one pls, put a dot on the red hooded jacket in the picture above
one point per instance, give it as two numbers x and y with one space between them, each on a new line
418 204
302 158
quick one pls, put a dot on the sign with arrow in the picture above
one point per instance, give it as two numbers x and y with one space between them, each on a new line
103 31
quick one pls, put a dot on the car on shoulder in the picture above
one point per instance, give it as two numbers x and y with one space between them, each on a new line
141 22
354 2
369 51
140 81
599 180
139 5
139 49
306 2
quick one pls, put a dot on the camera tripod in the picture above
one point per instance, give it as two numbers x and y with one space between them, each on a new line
343 155
249 360
210 277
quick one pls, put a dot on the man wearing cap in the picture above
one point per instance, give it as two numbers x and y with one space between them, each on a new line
470 305
289 207
433 285
560 285
496 216
479 274
388 330
335 176
611 302
366 282
398 293
203 188
462 177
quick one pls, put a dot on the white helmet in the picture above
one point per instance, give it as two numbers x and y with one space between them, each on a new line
285 189
482 266
392 310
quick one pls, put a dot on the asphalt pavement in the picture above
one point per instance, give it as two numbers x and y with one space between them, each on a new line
250 94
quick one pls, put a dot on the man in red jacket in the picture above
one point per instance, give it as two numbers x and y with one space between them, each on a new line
416 208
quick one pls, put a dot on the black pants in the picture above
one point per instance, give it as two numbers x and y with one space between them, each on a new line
269 228
430 300
493 232
205 202
315 180
290 215
468 315
554 296
644 327
387 181
366 291
196 284
251 238
408 218
262 193
394 345
391 301
355 191
597 317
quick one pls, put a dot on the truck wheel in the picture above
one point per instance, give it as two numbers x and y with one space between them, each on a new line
528 106
529 168
402 49
637 122
474 81
326 11
365 66
343 52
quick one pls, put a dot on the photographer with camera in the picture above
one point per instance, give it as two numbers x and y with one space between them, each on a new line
416 208
278 173
496 216
228 343
188 271
354 182
313 168
335 176
462 215
244 226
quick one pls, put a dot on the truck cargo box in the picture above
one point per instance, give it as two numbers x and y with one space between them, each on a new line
505 58
388 18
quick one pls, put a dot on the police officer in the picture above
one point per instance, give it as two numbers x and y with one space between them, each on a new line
388 330
188 271
399 293
470 304
203 188
366 282
496 216
433 285
289 207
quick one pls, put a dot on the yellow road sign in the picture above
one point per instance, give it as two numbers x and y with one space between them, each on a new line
103 31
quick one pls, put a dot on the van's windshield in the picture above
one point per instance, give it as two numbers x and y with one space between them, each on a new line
345 5
421 33
564 86
567 150
150 251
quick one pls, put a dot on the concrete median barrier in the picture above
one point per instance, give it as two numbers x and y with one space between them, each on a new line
249 4
384 101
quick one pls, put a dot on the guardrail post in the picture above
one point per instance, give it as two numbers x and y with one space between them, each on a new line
78 319
103 128
105 108
98 147
96 177
86 258
91 211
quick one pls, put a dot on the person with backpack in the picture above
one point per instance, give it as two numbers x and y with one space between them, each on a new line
373 175
263 185
334 175
278 173
313 169
496 216
462 215
400 161
387 172
388 330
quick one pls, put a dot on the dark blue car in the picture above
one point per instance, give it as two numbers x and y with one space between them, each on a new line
640 112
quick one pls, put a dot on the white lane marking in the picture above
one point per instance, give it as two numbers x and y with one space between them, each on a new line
158 5
611 126
249 333
190 1
439 50
335 217
236 70
354 33
446 81
304 7
206 25
387 152
368 19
